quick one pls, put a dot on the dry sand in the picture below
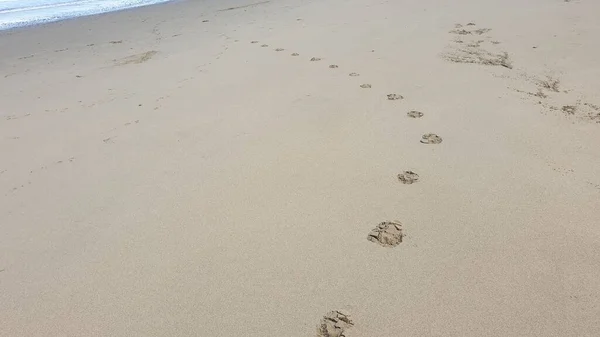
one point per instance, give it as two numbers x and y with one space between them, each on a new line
162 175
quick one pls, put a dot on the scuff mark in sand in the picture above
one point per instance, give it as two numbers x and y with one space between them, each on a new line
137 58
244 6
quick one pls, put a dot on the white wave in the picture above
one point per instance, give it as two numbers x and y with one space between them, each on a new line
17 13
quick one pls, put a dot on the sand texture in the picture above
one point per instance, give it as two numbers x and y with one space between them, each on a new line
164 174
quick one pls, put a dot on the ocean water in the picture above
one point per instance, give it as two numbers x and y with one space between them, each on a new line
18 13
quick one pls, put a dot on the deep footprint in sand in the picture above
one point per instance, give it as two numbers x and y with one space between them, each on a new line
334 324
314 59
354 74
394 97
408 177
387 234
365 86
414 114
431 138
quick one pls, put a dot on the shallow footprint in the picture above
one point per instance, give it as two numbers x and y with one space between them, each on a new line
387 234
431 138
333 66
394 97
334 324
295 54
265 45
279 49
253 41
408 177
365 86
354 74
315 59
414 114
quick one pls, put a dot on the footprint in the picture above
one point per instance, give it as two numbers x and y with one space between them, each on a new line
315 59
295 54
279 49
481 31
264 45
365 86
387 234
334 324
394 97
431 138
408 177
333 66
253 41
414 114
354 74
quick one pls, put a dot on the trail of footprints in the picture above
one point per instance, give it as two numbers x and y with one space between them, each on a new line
387 233
474 45
471 45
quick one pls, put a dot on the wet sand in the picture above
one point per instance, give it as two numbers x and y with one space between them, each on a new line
219 169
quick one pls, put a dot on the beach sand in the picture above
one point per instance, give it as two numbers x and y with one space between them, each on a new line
163 175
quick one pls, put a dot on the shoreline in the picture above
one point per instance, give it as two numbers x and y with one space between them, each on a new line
47 21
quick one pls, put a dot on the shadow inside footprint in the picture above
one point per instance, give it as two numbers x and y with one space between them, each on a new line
394 97
431 138
295 54
365 86
408 177
279 49
387 234
414 114
264 45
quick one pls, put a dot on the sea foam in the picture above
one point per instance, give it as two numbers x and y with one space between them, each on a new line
18 13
